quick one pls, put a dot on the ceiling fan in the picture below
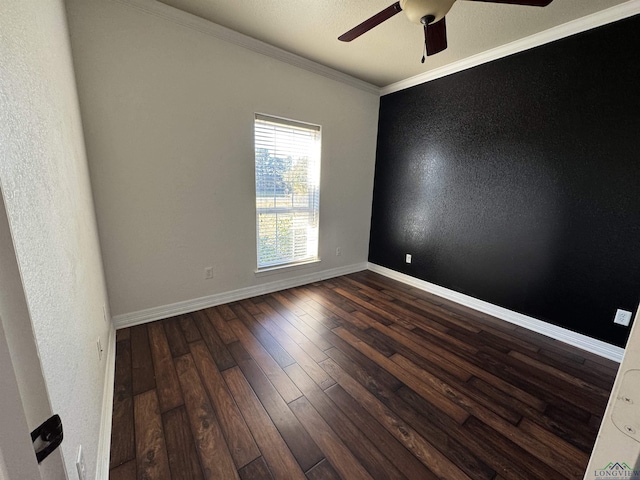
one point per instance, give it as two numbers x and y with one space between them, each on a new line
428 13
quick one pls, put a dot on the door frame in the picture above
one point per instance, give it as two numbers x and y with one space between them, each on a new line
24 399
17 457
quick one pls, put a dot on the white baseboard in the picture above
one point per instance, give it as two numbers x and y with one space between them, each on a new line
179 308
558 333
104 443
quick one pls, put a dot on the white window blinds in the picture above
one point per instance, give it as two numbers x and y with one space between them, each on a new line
287 190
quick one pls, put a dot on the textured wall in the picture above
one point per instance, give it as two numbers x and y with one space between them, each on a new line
516 181
45 184
168 117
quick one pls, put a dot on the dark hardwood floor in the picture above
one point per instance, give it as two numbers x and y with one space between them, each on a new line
354 377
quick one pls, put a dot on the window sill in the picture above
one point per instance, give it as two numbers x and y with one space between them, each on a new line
281 268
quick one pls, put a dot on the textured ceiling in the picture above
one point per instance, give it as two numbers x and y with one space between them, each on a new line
392 51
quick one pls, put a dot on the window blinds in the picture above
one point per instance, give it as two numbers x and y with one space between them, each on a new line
287 166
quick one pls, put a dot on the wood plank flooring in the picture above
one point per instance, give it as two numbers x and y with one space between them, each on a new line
356 377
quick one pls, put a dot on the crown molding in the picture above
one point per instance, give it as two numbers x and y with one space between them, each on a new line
604 17
207 27
619 12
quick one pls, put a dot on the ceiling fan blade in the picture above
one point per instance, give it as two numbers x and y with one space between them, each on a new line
533 3
435 36
368 24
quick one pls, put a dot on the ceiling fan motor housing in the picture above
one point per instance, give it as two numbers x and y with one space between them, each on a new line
416 10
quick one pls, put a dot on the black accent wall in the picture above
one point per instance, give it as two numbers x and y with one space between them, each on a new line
518 181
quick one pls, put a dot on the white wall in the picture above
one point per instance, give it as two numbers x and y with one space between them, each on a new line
168 119
47 196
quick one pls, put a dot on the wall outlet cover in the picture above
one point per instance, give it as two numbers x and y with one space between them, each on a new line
407 258
623 317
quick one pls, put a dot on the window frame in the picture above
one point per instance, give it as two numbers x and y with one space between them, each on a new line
287 122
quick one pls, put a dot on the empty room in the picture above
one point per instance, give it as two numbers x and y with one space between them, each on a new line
322 240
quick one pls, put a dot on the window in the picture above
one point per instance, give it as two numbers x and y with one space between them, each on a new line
287 191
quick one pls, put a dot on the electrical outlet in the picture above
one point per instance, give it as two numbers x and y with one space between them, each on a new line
338 251
80 465
622 317
100 349
208 273
407 258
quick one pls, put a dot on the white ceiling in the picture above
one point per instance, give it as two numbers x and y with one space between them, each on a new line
392 51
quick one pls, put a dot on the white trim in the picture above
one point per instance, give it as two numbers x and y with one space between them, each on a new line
261 272
558 333
231 36
104 442
603 17
178 308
